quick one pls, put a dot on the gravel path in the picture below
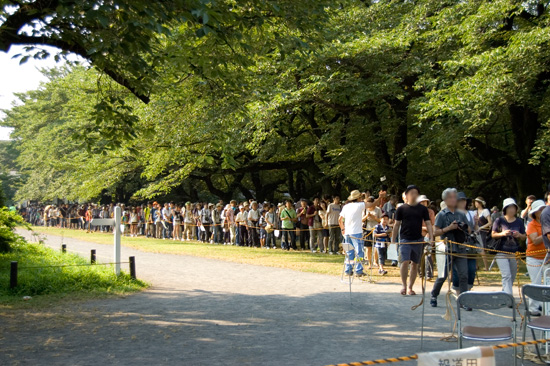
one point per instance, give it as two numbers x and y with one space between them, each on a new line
205 312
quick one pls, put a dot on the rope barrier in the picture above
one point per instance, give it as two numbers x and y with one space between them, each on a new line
73 265
415 357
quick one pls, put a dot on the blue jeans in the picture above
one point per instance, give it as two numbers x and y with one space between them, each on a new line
355 240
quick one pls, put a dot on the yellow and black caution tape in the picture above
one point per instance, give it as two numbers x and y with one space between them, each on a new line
415 357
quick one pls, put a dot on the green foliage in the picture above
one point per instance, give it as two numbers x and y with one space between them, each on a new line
8 221
303 98
76 277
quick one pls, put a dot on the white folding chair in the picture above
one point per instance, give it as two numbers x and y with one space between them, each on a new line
539 293
486 301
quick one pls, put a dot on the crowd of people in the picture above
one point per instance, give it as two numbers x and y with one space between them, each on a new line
467 228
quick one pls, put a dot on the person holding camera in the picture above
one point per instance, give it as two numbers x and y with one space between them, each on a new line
451 224
508 230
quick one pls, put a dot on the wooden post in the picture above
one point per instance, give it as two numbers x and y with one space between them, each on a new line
92 256
13 275
133 267
117 235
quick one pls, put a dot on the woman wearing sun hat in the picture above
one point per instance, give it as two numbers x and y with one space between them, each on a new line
509 230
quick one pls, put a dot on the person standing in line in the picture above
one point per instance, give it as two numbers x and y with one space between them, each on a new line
450 224
509 230
536 252
351 224
253 228
241 220
270 227
390 207
289 218
302 225
484 223
371 218
382 232
429 265
314 225
471 253
217 224
408 225
324 224
525 213
495 214
335 234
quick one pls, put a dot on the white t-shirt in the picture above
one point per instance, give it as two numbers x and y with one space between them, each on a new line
353 215
333 212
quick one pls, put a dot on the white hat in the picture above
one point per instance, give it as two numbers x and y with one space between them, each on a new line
422 198
355 194
536 206
508 202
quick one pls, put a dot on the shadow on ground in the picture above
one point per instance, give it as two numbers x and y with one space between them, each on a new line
196 327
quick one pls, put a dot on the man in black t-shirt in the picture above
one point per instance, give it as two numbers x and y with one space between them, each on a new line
409 219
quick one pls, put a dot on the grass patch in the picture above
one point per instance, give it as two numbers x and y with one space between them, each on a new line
45 283
297 260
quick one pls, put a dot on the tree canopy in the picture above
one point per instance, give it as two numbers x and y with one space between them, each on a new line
264 99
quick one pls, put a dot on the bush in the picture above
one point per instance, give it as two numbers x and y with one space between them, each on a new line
8 221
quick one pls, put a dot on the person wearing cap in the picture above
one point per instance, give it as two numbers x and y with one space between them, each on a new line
350 222
450 224
508 230
429 265
536 251
484 222
409 218
381 233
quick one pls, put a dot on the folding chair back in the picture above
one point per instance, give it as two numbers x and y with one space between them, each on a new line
486 301
347 247
539 293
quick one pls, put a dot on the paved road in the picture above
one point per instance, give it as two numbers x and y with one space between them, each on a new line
206 312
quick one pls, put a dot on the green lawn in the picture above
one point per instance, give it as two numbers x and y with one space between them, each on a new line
48 276
296 260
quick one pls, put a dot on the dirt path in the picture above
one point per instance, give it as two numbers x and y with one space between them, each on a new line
206 312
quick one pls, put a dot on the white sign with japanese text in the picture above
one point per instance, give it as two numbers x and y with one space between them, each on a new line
474 356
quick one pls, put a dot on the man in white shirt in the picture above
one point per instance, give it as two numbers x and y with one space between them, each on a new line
352 227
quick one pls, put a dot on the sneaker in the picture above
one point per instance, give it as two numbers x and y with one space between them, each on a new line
536 314
360 274
384 273
394 264
433 302
350 273
330 253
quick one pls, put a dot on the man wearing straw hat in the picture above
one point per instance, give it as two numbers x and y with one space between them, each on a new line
352 227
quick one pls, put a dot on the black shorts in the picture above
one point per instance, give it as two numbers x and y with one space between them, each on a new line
368 238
